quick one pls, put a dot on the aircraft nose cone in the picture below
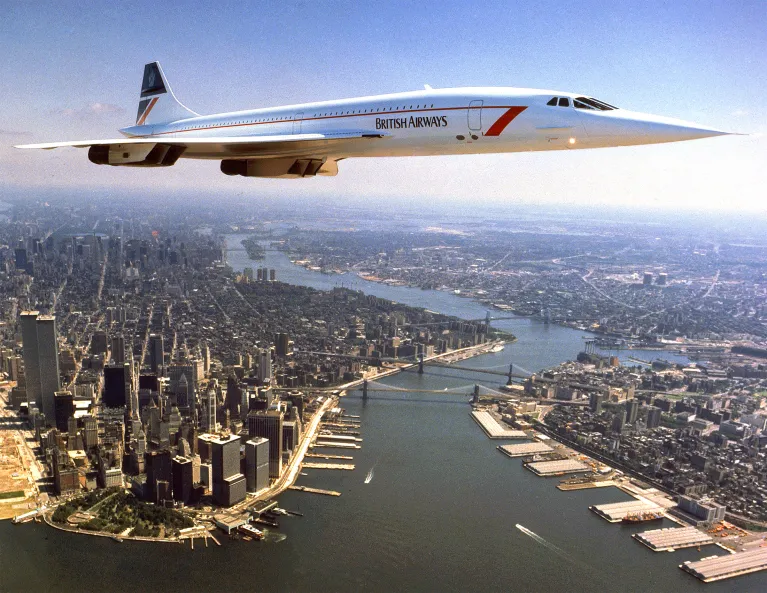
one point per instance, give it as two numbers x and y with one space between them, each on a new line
616 128
653 129
677 130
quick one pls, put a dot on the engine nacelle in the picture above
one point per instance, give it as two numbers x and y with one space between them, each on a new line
280 168
135 155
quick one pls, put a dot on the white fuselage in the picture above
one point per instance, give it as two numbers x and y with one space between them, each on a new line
433 122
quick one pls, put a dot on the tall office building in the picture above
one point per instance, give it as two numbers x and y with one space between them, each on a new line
228 482
210 411
31 356
117 387
99 342
281 344
63 410
632 408
653 417
596 400
118 348
156 353
48 349
268 424
265 365
159 474
182 479
256 464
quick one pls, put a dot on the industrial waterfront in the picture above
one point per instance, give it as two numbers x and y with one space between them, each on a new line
438 514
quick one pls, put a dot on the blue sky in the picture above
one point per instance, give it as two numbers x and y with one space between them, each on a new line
72 70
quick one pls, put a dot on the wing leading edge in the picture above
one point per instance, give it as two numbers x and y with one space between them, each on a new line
213 141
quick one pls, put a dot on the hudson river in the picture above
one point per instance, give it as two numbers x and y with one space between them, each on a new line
438 515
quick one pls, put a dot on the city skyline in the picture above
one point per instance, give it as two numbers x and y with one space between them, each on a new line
686 61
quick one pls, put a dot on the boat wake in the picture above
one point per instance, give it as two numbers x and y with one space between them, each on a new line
369 477
558 551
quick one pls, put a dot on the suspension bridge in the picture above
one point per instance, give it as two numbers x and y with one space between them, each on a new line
473 390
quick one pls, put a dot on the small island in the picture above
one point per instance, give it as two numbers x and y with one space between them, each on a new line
254 248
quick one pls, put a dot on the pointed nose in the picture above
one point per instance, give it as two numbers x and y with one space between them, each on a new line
628 127
663 129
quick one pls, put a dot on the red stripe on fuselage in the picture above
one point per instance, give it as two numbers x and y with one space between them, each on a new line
503 121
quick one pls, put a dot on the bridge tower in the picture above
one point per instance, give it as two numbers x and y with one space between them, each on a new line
475 399
420 363
365 389
511 372
487 318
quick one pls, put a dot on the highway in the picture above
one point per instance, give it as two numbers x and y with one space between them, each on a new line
290 473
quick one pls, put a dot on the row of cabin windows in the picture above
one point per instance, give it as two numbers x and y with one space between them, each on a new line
326 114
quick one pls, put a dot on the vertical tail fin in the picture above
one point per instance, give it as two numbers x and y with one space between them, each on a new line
157 103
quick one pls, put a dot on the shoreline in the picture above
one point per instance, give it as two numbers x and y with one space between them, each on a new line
290 476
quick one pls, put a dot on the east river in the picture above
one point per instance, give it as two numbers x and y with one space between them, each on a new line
438 515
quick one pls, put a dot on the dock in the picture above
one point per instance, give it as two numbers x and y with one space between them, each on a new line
524 449
314 490
321 456
717 568
311 465
673 538
493 429
559 467
340 437
334 445
584 485
617 511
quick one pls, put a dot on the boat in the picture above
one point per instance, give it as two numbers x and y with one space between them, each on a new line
632 518
249 530
497 348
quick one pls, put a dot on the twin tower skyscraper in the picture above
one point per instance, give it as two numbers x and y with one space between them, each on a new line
41 361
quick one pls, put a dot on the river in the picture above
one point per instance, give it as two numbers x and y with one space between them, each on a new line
438 515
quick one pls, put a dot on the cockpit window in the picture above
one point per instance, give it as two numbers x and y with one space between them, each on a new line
593 104
561 101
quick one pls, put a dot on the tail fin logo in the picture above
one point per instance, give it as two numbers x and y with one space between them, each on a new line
152 83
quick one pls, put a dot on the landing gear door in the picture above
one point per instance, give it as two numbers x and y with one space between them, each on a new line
474 115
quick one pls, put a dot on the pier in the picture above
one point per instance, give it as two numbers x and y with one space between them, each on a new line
673 538
559 467
524 449
493 429
336 445
617 511
346 466
314 490
321 456
716 568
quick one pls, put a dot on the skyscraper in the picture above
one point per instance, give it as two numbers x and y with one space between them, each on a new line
653 417
228 482
48 349
118 348
265 365
116 386
156 353
632 408
257 464
182 479
64 410
31 357
268 425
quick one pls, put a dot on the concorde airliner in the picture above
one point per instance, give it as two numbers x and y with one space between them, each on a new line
310 139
